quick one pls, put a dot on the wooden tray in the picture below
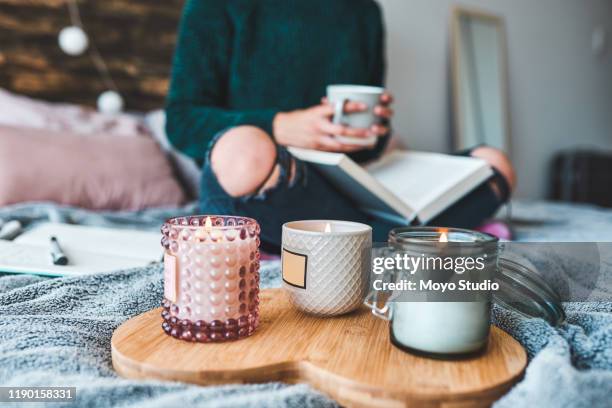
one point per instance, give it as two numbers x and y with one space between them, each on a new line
349 358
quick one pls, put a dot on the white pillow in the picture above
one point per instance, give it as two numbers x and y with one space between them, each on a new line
18 110
187 168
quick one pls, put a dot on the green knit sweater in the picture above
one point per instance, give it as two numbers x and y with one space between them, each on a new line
239 62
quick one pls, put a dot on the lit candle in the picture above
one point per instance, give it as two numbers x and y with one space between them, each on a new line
326 265
439 326
211 277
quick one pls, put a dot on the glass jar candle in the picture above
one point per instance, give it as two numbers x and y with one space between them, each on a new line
442 325
211 278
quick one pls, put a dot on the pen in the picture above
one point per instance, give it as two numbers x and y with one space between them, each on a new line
57 255
10 230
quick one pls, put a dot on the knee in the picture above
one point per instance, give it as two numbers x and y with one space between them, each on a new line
497 159
242 159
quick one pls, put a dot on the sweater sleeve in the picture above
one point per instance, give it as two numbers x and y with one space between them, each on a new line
376 49
198 91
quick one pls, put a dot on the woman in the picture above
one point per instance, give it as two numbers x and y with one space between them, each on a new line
248 80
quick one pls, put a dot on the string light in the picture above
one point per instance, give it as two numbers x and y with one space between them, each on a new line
73 40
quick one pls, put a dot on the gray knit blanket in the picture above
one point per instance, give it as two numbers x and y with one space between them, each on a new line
56 332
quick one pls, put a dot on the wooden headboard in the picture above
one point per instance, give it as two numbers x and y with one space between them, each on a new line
135 37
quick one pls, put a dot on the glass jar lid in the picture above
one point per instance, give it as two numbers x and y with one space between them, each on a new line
424 236
522 290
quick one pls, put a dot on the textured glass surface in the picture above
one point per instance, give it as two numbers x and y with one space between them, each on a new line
217 277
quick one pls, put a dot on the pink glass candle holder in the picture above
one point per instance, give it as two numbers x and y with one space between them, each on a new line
211 278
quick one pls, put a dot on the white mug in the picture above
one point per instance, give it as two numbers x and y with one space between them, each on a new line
339 95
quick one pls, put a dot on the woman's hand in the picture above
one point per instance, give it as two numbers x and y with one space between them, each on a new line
312 128
385 113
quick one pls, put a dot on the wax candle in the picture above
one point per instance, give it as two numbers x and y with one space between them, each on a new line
439 326
211 277
326 264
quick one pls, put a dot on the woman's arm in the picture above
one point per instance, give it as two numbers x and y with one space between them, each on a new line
200 72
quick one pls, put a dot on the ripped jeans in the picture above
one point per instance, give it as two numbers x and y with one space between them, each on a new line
306 194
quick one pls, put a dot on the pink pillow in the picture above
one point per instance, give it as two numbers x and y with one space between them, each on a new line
101 172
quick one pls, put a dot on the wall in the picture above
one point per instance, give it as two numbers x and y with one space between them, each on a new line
135 37
560 92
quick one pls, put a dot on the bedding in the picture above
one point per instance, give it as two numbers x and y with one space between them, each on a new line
57 331
100 172
18 110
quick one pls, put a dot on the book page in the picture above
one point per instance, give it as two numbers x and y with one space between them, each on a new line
123 243
422 178
357 183
24 258
403 184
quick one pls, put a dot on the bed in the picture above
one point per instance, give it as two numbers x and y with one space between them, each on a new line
56 332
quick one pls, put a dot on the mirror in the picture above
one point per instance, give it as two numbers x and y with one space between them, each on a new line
479 75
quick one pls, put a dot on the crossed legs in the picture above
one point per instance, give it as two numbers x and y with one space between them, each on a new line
244 161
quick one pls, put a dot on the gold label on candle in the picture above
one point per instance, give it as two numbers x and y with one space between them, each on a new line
294 268
170 277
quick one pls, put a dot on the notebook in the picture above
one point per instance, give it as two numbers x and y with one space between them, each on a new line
403 187
89 250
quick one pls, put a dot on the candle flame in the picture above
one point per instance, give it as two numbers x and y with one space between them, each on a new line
328 227
208 224
444 237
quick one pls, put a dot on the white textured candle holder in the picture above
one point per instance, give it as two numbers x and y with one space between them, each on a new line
326 272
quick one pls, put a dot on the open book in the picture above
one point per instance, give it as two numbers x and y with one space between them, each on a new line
404 187
89 250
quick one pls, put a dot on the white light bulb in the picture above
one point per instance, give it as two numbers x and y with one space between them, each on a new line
73 40
110 102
